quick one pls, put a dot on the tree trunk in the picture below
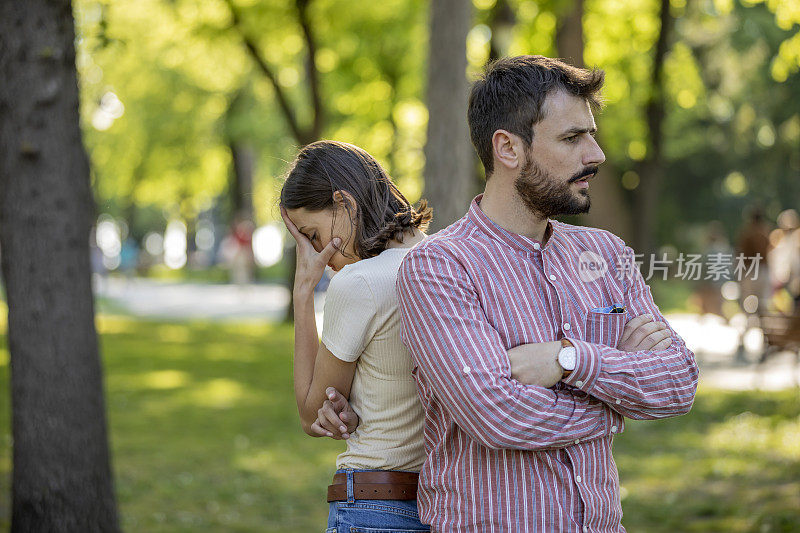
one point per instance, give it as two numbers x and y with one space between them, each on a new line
501 22
243 158
651 169
61 475
569 34
608 204
449 158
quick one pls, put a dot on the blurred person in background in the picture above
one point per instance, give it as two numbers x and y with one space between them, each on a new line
99 270
237 250
753 243
784 258
129 257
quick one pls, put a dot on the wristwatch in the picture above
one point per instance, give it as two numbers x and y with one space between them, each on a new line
567 357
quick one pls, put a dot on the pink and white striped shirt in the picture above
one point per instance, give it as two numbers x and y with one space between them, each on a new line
508 457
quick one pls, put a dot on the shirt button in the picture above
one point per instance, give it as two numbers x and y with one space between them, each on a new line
613 429
579 384
566 327
585 529
536 246
552 277
578 479
577 441
618 401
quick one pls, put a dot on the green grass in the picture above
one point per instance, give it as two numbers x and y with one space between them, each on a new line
205 438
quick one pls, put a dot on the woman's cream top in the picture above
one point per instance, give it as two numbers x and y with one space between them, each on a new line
362 323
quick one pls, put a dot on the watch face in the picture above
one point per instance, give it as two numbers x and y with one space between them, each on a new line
567 358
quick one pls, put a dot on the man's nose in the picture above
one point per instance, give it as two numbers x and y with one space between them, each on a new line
594 155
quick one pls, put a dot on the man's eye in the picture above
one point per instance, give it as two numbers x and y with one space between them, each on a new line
571 139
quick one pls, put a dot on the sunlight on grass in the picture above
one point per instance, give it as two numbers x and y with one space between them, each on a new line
224 351
271 462
749 433
173 333
113 324
165 379
729 465
219 393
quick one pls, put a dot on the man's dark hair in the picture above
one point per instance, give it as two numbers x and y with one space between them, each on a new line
511 93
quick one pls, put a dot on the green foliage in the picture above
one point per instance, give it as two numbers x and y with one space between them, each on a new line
164 150
733 125
188 86
177 66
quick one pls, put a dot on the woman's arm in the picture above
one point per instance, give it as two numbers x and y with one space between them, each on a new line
315 367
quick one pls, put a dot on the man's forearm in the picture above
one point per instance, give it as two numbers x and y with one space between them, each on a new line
639 385
500 412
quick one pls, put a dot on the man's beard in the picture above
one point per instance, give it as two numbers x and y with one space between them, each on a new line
547 196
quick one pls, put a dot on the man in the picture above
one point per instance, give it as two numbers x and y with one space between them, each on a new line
507 281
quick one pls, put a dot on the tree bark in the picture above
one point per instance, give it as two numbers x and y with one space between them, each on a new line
243 158
651 168
449 158
609 209
501 22
61 477
569 34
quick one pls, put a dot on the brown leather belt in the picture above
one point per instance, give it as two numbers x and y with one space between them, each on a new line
379 485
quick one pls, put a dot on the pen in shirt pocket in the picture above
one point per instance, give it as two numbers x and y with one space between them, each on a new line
613 308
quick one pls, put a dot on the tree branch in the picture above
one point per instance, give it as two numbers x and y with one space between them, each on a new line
655 105
311 69
299 134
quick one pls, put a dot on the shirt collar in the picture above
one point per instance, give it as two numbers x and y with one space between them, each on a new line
515 240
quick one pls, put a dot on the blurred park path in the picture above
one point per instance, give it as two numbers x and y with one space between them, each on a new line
171 300
716 344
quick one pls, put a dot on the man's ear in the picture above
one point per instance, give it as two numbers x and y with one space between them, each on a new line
507 149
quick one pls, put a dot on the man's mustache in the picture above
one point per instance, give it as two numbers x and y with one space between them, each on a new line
588 171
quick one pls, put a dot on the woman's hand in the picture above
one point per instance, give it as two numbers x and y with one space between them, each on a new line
310 263
335 419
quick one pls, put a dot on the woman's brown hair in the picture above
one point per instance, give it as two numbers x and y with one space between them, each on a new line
382 213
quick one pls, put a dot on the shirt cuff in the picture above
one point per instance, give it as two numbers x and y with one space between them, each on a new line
587 365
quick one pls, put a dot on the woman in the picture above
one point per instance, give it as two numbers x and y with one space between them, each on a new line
344 212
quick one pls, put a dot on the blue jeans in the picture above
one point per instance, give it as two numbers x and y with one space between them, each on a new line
373 516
